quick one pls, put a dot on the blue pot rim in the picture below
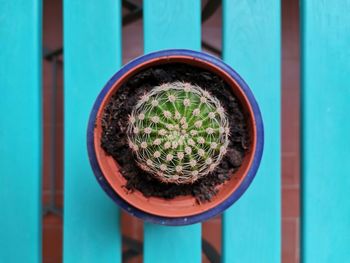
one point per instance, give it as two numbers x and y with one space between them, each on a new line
188 219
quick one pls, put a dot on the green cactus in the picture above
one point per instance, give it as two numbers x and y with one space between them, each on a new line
178 132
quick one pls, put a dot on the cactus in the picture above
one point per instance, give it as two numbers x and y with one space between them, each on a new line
178 132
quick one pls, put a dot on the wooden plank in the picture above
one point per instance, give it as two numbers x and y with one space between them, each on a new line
172 243
20 130
172 24
325 131
251 45
92 53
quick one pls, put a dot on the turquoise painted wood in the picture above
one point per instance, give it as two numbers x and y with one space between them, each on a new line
176 25
92 54
172 24
251 45
172 243
325 131
20 131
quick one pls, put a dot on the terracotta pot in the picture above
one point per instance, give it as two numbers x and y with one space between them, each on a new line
184 209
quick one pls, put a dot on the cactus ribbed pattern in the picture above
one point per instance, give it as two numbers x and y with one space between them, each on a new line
178 132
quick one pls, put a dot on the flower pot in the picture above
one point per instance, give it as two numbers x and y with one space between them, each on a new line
180 210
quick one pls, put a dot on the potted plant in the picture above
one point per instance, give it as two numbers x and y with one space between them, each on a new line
175 137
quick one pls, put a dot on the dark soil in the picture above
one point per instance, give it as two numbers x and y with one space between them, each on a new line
115 119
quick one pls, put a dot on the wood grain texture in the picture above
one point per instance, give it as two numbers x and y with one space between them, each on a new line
325 131
251 45
172 24
20 130
92 53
